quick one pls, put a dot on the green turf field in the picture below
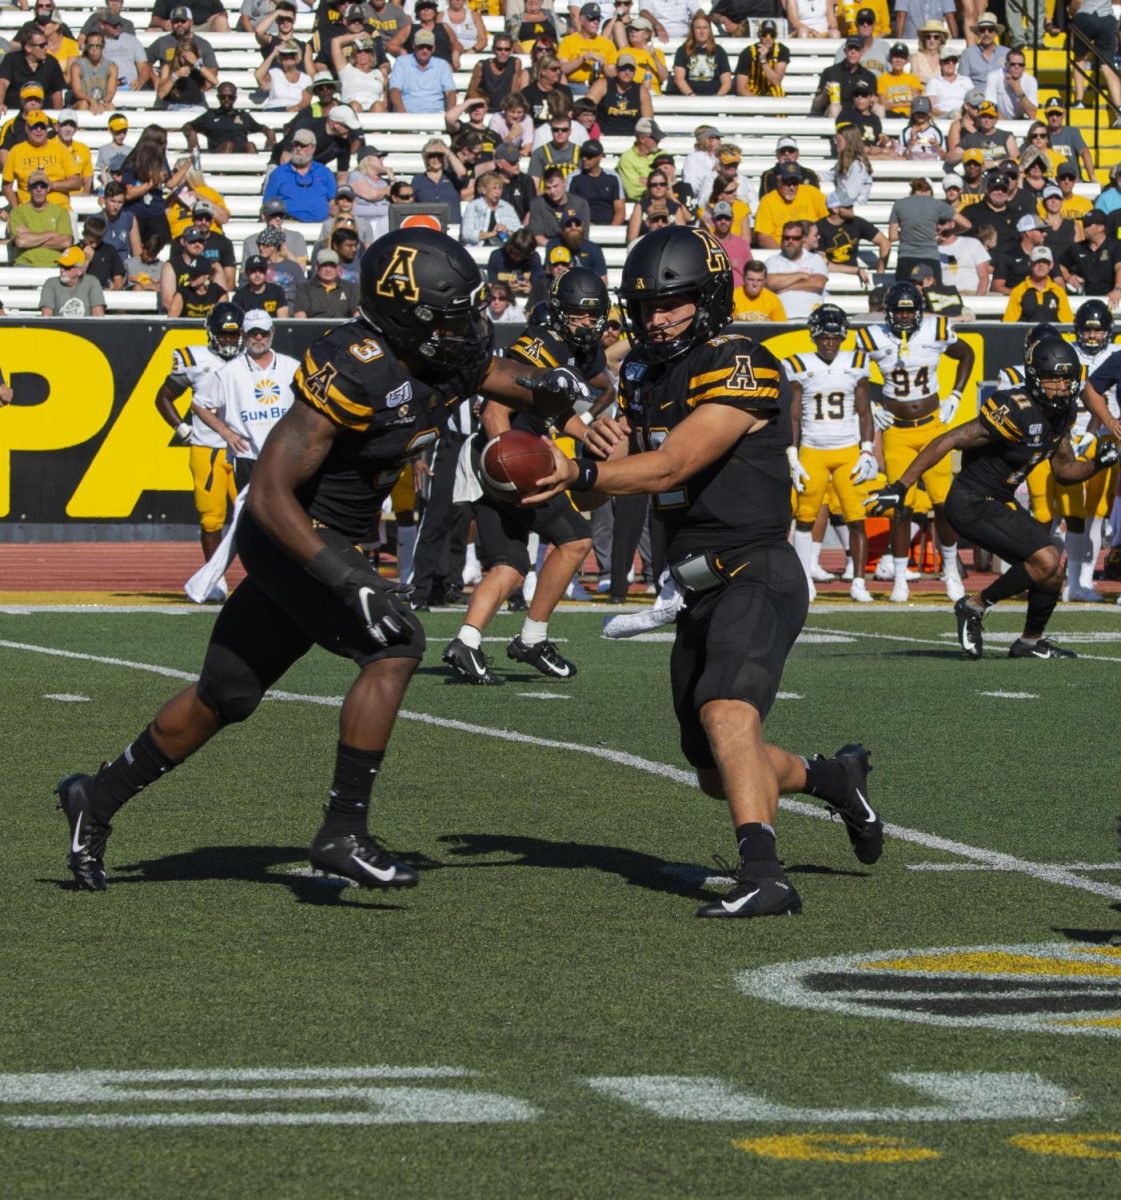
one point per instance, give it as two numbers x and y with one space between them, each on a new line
543 1016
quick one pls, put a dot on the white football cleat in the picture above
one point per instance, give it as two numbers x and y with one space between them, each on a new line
900 592
858 590
885 570
848 572
955 589
820 575
1081 595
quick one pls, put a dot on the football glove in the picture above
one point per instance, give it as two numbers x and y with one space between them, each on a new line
1081 442
866 468
948 409
1106 452
799 476
881 418
556 392
372 601
887 498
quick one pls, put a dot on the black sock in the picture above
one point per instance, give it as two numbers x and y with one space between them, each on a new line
1040 607
1014 581
141 763
349 804
825 778
757 849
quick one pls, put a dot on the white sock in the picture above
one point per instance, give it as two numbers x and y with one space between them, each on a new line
535 548
843 532
900 568
406 544
471 637
803 547
471 559
1090 553
949 559
534 632
815 554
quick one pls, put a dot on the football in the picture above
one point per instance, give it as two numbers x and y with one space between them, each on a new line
512 463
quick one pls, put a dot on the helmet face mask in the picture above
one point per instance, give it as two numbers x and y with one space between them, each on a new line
1093 326
224 330
903 309
1052 374
673 267
573 297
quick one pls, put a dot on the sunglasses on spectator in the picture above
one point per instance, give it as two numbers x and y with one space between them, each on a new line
791 237
405 195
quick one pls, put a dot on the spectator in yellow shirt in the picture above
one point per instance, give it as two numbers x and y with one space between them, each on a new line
41 153
67 128
1039 297
755 301
587 55
897 86
1075 207
791 200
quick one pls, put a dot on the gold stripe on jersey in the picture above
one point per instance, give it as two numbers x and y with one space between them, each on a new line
736 381
317 386
1014 376
864 338
796 364
996 416
187 356
532 349
943 329
859 360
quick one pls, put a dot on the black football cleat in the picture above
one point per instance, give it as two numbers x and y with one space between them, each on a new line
1042 649
469 664
544 656
88 835
767 896
362 858
970 635
864 827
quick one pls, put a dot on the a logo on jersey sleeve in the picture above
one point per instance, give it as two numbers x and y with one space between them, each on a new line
742 378
398 280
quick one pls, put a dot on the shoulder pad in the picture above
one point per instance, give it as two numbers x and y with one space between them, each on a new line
738 372
540 347
348 376
1001 414
796 364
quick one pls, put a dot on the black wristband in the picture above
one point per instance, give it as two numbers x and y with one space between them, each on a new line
588 474
331 570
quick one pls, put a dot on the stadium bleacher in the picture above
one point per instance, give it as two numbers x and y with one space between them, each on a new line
753 123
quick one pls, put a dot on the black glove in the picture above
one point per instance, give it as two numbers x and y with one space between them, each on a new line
371 600
887 498
556 391
1105 452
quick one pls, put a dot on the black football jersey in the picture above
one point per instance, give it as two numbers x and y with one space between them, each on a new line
743 498
1023 436
541 347
386 418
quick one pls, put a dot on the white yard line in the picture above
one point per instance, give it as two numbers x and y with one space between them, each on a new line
1046 873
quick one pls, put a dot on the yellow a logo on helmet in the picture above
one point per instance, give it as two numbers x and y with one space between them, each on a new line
398 280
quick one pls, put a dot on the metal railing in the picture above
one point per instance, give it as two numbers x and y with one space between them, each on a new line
1081 48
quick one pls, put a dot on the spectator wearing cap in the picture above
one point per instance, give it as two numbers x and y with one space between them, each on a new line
912 223
118 131
636 37
920 137
227 127
786 152
1013 90
965 122
325 295
941 299
753 300
134 72
1075 207
180 25
492 79
41 152
699 168
206 14
487 220
560 152
346 214
362 80
274 213
92 77
947 91
40 231
996 211
14 129
965 262
438 183
94 20
720 220
1039 296
1059 232
1010 267
619 100
839 235
72 293
307 187
1035 167
762 66
324 94
585 54
420 82
186 258
796 275
67 127
218 249
517 263
518 190
553 205
996 144
985 54
635 162
196 299
258 293
31 63
658 193
444 47
601 190
952 186
283 79
898 85
1092 267
836 83
574 237
102 261
558 262
700 66
337 136
1066 139
792 200
860 112
280 269
972 171
874 50
911 15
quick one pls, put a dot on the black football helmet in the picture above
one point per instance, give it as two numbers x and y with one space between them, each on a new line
574 293
1093 325
1038 332
680 263
1051 359
223 329
903 308
827 318
423 293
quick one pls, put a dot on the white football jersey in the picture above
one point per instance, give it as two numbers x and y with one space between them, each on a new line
249 398
910 368
191 367
829 419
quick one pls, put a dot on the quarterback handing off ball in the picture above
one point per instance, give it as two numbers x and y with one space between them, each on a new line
512 463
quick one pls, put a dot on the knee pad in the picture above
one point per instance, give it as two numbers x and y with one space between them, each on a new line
228 685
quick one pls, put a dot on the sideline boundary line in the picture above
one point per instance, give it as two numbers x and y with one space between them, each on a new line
1044 872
